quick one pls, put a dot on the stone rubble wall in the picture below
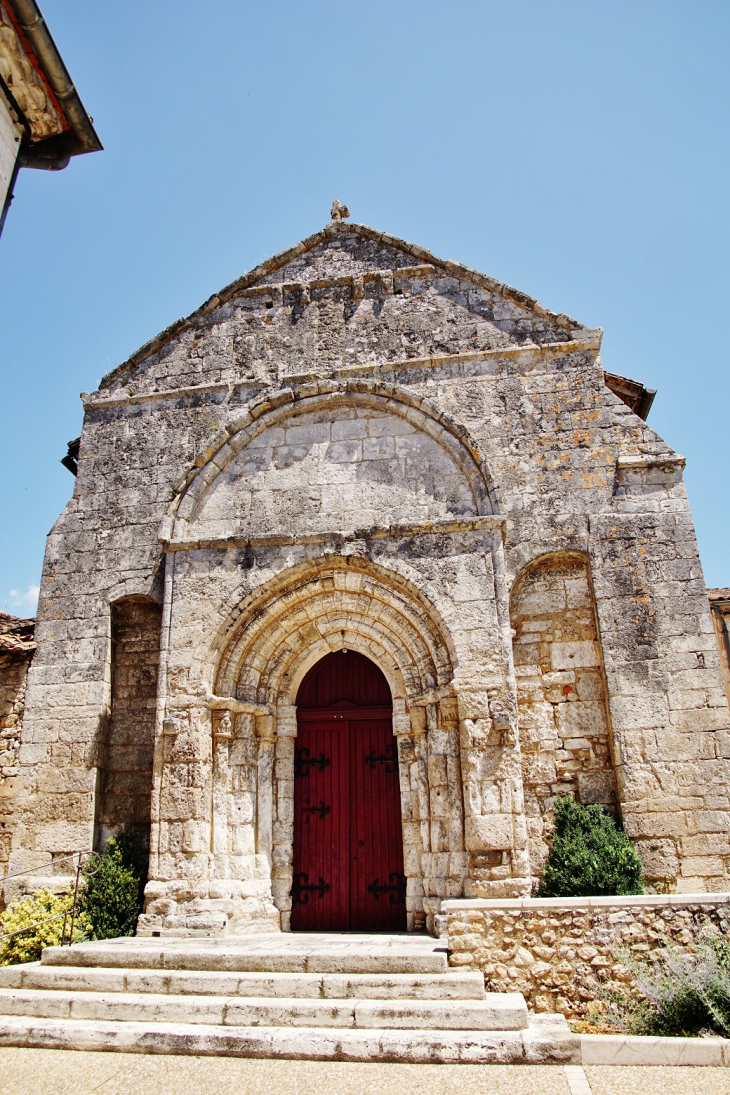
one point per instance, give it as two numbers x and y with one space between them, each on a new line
13 682
564 953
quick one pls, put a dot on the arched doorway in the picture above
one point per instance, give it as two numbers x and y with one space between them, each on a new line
348 843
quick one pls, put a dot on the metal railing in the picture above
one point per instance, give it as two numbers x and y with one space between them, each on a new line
83 861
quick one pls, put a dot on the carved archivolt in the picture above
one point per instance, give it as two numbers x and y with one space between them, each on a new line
325 605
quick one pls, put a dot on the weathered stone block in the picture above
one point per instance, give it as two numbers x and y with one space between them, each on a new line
574 655
489 832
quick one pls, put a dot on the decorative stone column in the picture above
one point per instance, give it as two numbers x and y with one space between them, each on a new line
414 807
282 856
266 741
222 737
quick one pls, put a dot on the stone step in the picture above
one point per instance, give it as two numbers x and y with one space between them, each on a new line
365 986
541 1042
266 954
497 1011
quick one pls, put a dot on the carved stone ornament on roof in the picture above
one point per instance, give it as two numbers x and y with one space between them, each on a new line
339 212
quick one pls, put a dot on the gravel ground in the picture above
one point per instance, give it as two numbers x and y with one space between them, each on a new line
61 1072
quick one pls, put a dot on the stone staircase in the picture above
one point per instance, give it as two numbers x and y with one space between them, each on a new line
321 997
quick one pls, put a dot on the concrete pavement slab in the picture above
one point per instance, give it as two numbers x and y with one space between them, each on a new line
57 1072
657 1080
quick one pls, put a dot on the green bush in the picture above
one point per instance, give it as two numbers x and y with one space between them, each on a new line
113 895
42 905
589 855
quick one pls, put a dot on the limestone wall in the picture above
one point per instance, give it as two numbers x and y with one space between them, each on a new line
564 733
351 300
13 680
355 466
563 953
126 750
17 647
720 607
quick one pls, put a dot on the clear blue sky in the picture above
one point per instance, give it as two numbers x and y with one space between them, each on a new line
578 151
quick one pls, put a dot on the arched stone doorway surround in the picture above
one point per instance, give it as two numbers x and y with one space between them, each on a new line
333 604
400 557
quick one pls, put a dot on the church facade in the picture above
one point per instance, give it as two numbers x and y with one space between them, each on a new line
365 564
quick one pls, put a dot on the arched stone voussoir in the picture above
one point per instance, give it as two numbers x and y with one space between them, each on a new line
408 673
332 603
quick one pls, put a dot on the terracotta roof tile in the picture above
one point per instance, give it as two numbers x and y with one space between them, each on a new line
16 634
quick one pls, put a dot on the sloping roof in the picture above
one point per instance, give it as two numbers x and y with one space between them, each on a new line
721 593
632 392
571 327
38 87
16 635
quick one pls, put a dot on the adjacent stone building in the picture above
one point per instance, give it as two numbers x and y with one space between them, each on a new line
360 447
17 646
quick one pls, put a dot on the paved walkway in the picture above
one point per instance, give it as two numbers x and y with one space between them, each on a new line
61 1072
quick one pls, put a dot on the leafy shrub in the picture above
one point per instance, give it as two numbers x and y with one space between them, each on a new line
41 905
679 992
589 856
113 895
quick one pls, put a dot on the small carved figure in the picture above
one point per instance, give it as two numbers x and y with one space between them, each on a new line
224 728
339 212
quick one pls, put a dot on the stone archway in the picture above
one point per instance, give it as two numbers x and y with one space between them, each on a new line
333 603
328 516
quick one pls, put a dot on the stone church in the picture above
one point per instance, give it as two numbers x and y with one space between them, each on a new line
367 561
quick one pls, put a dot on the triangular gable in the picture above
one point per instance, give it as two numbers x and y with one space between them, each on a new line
303 263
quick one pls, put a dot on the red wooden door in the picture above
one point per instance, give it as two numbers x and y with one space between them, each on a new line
348 843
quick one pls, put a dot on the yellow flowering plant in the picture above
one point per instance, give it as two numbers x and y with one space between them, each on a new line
29 911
